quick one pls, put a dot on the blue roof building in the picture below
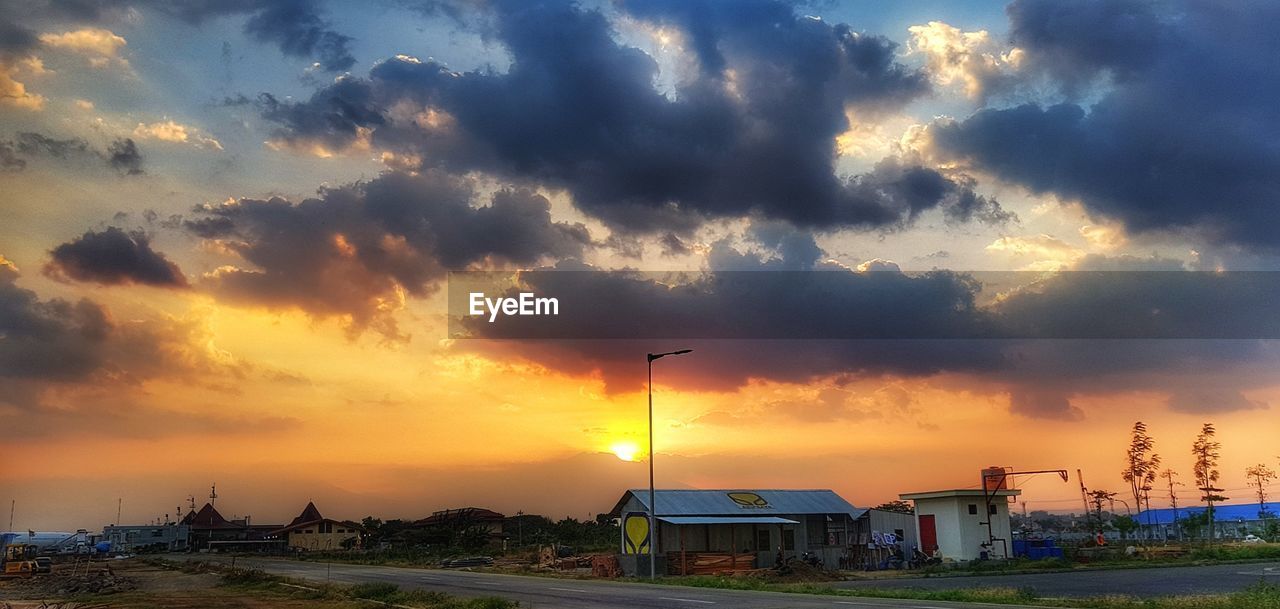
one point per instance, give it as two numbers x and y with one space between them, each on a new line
1235 512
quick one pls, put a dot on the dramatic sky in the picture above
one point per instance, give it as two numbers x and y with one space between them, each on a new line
226 232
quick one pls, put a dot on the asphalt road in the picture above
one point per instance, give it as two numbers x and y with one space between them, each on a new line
552 593
1136 582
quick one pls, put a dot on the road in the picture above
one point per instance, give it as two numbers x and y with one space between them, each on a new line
554 593
1136 582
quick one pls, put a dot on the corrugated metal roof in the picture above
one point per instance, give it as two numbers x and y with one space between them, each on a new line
1221 513
726 520
743 502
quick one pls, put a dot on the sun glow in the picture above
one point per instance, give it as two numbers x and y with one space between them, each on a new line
626 451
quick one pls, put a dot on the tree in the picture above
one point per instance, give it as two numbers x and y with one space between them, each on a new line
1097 498
1261 476
897 505
1125 525
1169 476
1141 465
1205 451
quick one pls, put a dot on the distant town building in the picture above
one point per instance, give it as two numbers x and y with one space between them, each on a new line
212 533
447 526
134 538
312 531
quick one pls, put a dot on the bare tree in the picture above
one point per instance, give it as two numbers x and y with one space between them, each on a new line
1261 476
1205 451
1169 476
1141 465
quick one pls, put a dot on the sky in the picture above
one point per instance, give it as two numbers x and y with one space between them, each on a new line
227 232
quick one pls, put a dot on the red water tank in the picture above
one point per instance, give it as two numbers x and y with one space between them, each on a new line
994 478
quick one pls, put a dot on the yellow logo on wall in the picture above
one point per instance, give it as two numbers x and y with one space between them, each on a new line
749 500
636 528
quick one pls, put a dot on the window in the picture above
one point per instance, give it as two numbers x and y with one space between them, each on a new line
762 540
973 508
991 509
789 539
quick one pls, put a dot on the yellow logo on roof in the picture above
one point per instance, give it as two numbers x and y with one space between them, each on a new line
749 500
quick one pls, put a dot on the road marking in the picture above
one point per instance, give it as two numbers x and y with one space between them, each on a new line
1264 571
299 587
685 600
569 590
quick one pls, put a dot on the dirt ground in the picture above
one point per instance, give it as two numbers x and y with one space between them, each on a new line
142 585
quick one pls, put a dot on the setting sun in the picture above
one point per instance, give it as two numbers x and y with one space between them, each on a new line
627 451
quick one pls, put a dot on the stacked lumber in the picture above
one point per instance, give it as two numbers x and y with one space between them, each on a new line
709 563
605 565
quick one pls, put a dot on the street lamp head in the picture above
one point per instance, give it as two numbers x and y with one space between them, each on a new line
654 356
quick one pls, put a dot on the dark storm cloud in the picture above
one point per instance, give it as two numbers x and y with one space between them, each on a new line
113 257
1204 401
353 250
34 144
122 155
297 27
48 340
1043 403
737 300
765 314
751 133
9 159
1182 136
1077 41
15 39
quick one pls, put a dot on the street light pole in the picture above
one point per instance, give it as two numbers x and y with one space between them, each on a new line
653 501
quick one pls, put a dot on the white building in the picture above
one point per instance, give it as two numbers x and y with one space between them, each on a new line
963 524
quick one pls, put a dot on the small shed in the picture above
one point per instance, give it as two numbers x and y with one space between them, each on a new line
964 524
726 530
883 539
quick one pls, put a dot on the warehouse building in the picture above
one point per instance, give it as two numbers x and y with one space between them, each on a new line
1231 520
726 530
964 524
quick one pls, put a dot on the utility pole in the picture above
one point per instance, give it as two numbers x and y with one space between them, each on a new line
12 504
119 506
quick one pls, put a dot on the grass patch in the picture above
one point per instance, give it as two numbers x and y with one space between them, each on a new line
1238 552
1258 596
391 594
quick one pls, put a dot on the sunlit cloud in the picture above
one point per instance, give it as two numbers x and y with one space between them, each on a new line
170 131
